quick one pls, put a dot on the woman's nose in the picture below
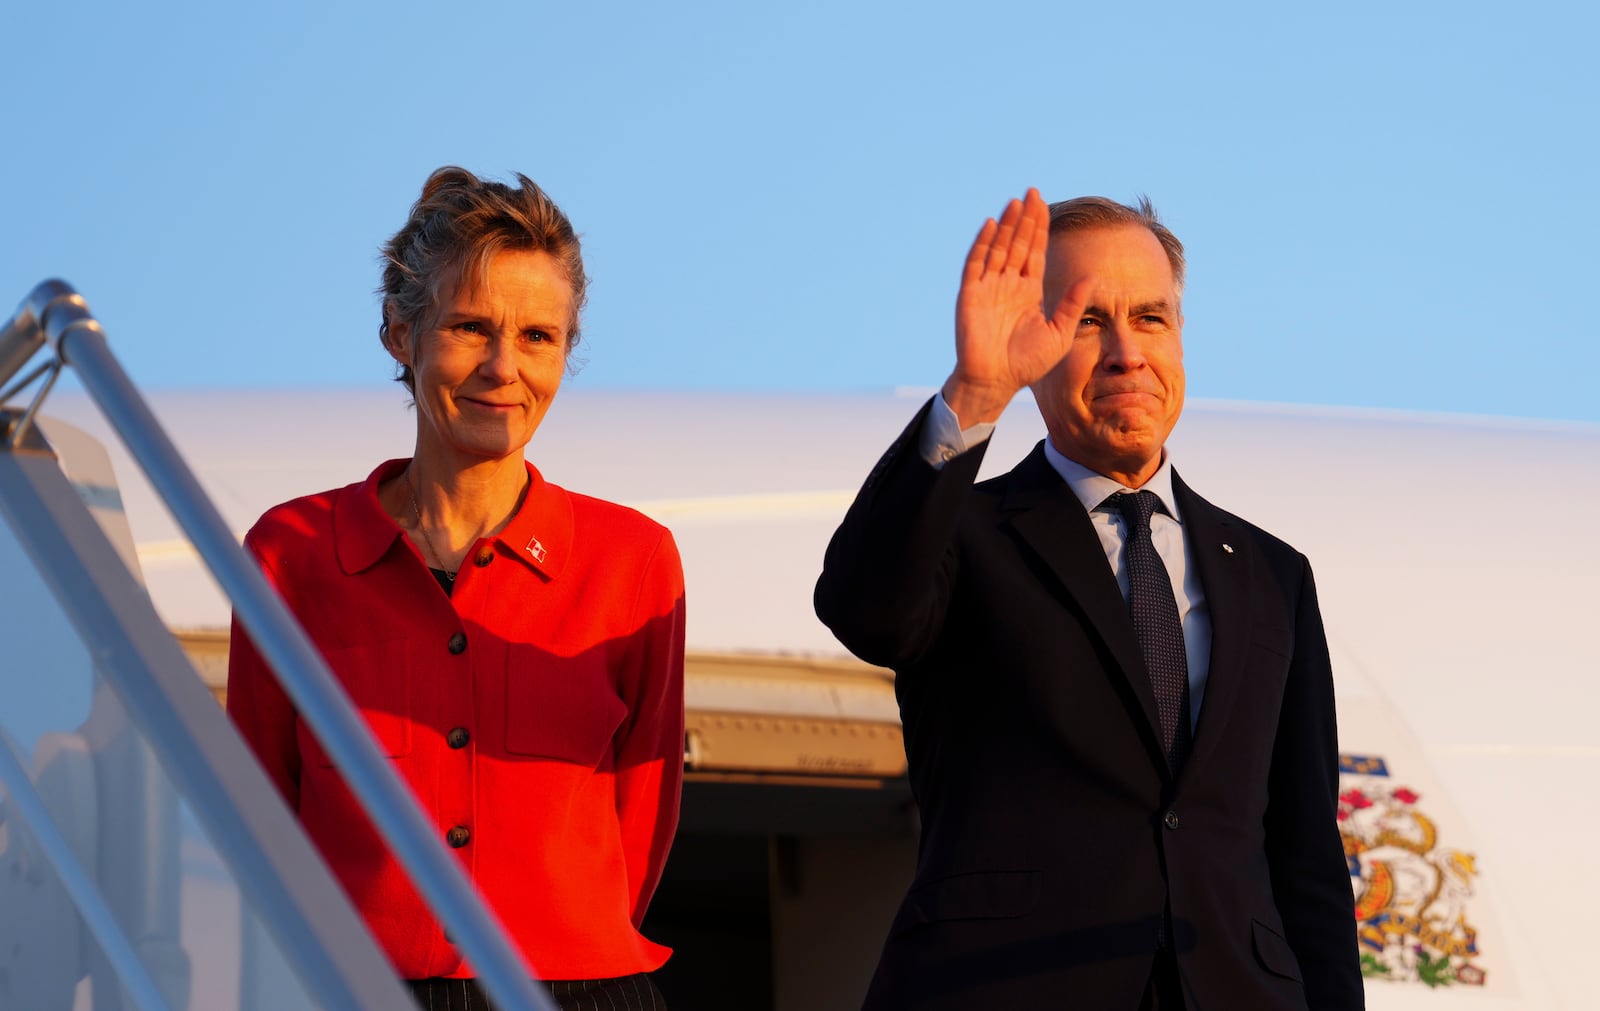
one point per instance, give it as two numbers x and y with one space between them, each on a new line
499 359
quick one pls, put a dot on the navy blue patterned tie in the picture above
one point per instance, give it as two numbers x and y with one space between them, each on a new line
1155 621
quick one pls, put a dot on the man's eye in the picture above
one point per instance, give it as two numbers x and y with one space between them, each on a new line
537 337
469 327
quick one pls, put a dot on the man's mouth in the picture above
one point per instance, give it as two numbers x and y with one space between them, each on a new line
1132 392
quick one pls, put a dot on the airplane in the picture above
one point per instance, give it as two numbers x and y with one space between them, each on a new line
1455 592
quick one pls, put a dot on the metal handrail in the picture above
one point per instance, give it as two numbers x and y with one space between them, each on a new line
55 314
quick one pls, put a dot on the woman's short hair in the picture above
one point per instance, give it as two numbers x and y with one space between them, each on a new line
1081 213
456 227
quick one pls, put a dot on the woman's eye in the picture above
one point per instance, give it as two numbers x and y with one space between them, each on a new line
469 327
537 336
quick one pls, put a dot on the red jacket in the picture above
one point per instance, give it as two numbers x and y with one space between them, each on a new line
539 708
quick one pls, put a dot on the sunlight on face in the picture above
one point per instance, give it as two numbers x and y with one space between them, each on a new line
1112 401
489 366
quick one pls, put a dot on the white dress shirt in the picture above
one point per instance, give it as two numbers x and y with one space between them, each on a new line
943 439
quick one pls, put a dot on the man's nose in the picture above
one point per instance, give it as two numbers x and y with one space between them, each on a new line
1121 349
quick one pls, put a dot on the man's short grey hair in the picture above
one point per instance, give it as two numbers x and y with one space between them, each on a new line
1083 213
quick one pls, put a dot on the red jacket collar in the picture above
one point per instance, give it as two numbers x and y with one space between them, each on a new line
539 535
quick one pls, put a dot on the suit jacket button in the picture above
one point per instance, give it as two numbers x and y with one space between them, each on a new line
457 737
458 836
458 643
1170 820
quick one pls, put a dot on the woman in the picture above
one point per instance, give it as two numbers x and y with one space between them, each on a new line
516 648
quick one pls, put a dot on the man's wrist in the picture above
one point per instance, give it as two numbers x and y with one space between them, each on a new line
943 438
974 404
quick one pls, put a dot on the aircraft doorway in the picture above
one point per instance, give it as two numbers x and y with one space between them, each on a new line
780 889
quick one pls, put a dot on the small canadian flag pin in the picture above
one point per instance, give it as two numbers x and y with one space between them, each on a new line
536 549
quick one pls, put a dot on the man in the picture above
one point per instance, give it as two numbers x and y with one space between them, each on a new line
1118 707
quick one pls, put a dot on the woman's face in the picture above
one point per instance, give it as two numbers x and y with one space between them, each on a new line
486 371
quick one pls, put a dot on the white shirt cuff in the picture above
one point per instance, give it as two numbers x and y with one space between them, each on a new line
943 438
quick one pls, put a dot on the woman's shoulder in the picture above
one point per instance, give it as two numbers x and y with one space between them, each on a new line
613 517
288 538
621 534
312 519
297 517
632 548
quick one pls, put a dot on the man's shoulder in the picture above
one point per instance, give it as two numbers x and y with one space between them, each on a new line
1205 510
1029 473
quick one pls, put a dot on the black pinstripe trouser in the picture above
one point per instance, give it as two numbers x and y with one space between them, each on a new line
625 993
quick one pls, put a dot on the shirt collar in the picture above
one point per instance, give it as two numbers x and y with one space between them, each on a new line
1093 488
539 535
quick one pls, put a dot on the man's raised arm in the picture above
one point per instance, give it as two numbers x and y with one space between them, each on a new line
1004 341
888 570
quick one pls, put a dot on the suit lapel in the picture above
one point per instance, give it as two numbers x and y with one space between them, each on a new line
1224 556
1052 522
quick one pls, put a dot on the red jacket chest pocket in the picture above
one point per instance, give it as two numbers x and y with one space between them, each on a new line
561 707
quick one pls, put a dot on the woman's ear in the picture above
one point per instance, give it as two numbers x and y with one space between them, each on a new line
397 341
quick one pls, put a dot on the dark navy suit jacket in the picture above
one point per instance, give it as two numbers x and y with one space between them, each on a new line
1053 833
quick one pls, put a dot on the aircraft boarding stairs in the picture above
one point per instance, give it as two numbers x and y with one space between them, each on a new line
145 860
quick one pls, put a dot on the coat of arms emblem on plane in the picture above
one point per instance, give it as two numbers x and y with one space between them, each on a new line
1411 892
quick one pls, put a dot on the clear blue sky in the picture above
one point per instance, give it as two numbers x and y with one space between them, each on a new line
1386 204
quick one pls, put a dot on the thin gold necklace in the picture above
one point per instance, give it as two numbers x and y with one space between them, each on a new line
411 489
